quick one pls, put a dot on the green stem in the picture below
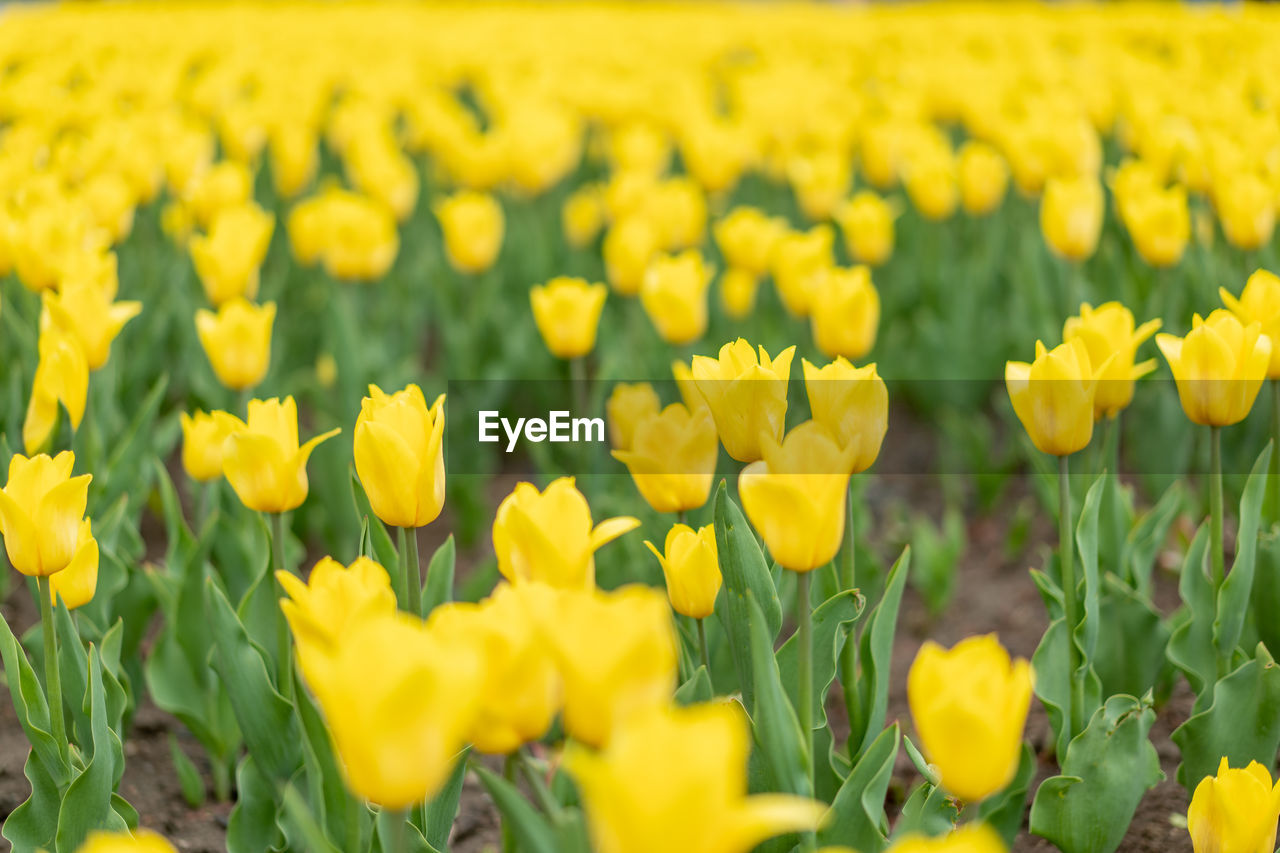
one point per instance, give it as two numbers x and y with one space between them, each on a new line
284 651
539 785
353 806
52 678
398 838
412 569
1274 480
804 634
400 580
509 773
578 381
702 647
1215 507
1066 557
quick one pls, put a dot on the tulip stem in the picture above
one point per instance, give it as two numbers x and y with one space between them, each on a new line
397 838
284 652
805 654
1066 557
539 786
509 773
702 648
52 678
578 381
412 569
1215 507
1274 479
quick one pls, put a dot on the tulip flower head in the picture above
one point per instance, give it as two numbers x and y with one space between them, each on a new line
738 292
672 458
399 455
203 437
700 754
227 259
1159 222
1218 367
691 567
846 312
75 585
969 704
1054 396
567 313
42 514
969 838
139 841
747 237
62 376
627 406
688 387
852 403
674 295
262 459
473 227
799 258
237 341
867 224
984 178
1071 213
85 310
795 496
629 245
548 537
1109 335
747 395
1235 811
1246 207
582 216
1259 303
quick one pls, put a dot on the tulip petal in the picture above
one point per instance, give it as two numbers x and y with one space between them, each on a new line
388 471
21 540
610 529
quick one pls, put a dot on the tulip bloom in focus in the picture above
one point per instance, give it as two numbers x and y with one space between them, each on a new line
1259 303
969 704
691 567
237 341
547 536
1235 811
672 458
747 395
42 513
262 458
1218 367
1109 335
852 403
700 755
567 313
399 455
1054 396
795 496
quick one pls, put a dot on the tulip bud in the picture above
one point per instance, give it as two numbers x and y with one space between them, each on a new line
473 228
203 437
1235 811
1110 338
674 295
672 458
227 259
984 178
1054 396
795 496
627 405
1218 367
692 569
867 224
399 455
567 313
262 459
846 312
852 403
1071 216
237 341
548 537
1260 303
747 397
969 704
41 513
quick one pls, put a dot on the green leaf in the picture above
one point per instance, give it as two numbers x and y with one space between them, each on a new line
1086 535
1146 537
776 728
857 812
442 809
1132 640
265 717
877 656
531 829
1053 685
1266 593
123 466
296 811
696 689
743 568
384 550
327 790
1191 644
439 588
189 779
252 826
1242 722
928 811
1107 769
31 706
86 805
1233 598
829 621
1003 812
33 824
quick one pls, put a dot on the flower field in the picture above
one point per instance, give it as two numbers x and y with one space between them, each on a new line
618 427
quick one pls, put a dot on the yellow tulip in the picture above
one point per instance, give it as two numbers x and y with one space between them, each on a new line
616 652
700 755
1110 337
747 237
688 387
984 178
42 513
399 455
227 259
867 224
141 841
798 259
852 403
627 406
1218 367
1246 207
262 459
227 183
691 567
521 692
86 311
672 458
1159 222
679 208
203 437
295 157
846 312
747 396
333 601
820 182
548 537
375 165
932 184
1054 396
969 704
738 292
674 295
237 341
62 376
567 313
795 495
353 236
629 245
582 216
472 223
76 584
399 702
1235 811
969 838
1071 216
1259 303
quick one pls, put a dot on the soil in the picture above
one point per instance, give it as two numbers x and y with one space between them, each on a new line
994 594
